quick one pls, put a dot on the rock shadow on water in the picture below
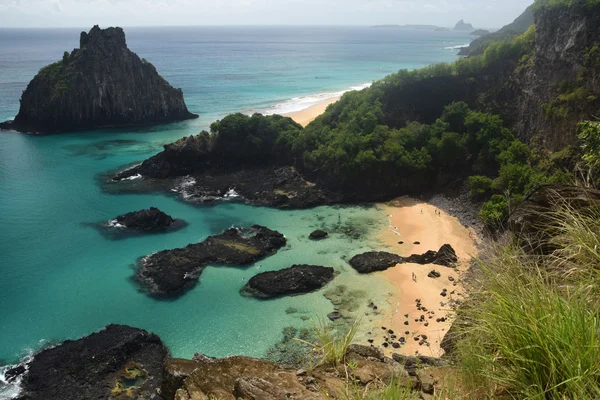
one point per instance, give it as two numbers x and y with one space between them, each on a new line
108 148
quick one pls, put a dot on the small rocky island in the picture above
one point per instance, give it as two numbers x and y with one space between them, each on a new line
298 279
102 84
140 222
172 272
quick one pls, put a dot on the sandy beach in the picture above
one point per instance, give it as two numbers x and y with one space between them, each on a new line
413 221
304 117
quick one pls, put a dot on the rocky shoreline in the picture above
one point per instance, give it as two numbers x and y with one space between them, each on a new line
120 362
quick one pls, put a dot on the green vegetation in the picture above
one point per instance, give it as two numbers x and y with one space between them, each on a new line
332 342
55 76
533 327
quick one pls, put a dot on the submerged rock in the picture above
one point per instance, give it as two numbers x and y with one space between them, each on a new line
102 84
297 279
171 272
119 362
145 220
318 235
374 261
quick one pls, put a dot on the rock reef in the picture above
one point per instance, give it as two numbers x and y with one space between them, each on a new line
380 261
119 362
102 84
374 261
145 220
298 279
172 272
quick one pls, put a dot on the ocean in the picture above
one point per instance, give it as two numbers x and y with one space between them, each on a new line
61 279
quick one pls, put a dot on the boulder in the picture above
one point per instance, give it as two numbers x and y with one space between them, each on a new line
102 84
374 261
118 362
172 272
445 256
532 222
297 279
318 235
334 316
144 220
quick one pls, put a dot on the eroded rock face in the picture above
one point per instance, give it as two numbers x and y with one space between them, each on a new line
146 220
533 222
119 362
374 261
297 279
102 84
234 378
172 272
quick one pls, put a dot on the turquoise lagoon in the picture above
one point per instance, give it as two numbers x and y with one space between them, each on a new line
60 278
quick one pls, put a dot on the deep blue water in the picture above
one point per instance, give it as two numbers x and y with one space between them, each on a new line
59 278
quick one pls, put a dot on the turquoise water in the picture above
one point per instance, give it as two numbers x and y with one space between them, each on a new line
59 278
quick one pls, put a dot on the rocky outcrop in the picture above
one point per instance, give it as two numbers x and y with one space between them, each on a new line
235 378
445 256
100 85
297 279
380 261
172 272
374 261
318 235
272 186
119 362
534 223
144 220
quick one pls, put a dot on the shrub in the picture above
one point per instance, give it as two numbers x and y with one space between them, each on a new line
479 185
494 211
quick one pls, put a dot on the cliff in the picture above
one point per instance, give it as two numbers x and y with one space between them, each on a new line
515 28
102 84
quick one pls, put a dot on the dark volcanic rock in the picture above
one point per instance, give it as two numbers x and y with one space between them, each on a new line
119 362
374 261
171 272
532 221
100 85
297 279
445 256
334 316
318 235
146 220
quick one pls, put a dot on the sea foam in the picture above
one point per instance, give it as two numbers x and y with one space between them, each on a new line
10 390
301 103
460 46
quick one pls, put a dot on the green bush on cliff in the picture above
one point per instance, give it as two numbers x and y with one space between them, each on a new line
258 138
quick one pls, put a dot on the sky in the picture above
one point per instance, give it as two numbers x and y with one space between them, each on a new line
85 13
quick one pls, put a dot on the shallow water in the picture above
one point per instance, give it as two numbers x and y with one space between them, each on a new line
60 278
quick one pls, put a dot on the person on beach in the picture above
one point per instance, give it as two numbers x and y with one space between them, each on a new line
414 277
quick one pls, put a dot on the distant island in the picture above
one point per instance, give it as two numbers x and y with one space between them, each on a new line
463 26
102 84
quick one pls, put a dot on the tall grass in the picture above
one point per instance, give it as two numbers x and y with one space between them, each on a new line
533 328
332 341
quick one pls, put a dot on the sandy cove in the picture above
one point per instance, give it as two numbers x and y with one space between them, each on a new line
413 221
304 117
